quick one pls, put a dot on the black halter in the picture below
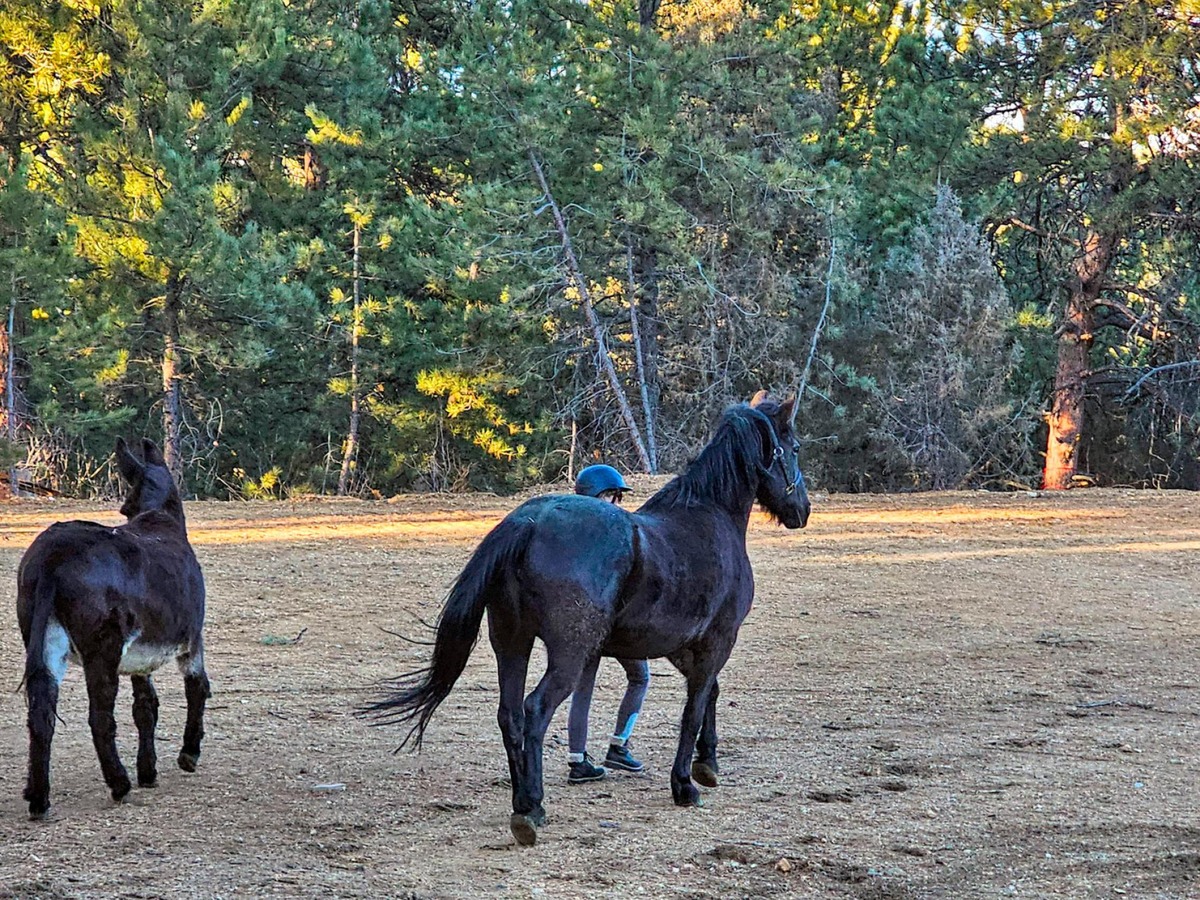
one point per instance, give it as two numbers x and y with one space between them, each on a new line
777 454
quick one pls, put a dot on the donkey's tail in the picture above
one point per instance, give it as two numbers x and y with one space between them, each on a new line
41 608
418 694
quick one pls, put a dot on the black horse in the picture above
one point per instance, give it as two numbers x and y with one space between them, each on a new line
591 580
119 600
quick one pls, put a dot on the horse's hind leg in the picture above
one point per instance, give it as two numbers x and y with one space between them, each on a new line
562 675
512 666
197 690
145 716
100 671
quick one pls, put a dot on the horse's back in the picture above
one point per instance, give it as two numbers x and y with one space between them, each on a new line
692 573
580 549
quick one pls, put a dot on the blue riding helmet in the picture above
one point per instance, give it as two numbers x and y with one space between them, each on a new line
595 480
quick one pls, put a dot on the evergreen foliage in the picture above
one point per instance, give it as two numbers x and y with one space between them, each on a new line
385 246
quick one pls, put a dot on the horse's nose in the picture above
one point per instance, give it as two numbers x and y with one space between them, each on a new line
805 509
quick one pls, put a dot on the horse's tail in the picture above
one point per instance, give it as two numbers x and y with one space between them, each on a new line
483 581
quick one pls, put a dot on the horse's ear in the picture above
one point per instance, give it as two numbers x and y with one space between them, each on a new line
758 398
788 411
152 454
127 463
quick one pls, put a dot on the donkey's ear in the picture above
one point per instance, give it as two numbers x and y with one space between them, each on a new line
758 398
127 463
153 455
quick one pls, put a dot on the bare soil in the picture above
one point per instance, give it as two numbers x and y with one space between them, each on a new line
952 695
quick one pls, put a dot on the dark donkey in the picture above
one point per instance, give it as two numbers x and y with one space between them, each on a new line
591 580
119 600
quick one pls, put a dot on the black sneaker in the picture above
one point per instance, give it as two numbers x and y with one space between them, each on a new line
619 757
584 771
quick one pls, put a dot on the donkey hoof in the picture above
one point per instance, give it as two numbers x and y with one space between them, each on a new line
705 774
188 761
524 828
147 781
38 810
121 790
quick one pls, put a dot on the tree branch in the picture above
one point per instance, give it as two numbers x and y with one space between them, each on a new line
589 311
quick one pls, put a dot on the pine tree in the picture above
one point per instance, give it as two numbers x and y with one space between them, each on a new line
1088 148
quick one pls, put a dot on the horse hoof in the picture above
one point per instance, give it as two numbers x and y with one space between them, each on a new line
188 761
687 795
121 791
38 811
705 774
524 829
150 782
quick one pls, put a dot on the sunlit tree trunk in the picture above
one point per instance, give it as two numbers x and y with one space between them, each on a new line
350 456
1071 372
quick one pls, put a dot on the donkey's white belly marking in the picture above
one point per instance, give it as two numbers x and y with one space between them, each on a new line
142 659
56 649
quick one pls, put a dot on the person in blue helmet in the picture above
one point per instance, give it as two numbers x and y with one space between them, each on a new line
605 483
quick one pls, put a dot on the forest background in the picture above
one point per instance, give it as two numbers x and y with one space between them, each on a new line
368 247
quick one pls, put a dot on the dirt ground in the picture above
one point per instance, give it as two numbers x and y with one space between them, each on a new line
962 695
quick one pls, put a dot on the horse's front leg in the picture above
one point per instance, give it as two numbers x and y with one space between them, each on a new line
145 716
700 666
704 767
197 690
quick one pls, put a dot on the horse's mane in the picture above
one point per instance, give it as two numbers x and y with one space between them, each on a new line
723 467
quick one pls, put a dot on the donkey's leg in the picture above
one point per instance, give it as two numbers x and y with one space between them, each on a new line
197 690
145 716
41 690
563 668
100 672
699 666
704 766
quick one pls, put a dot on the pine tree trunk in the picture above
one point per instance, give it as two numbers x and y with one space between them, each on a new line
350 456
1071 372
643 323
172 411
12 488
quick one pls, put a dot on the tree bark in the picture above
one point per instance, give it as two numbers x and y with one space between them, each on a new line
647 11
604 360
1065 420
172 409
643 325
12 488
350 456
